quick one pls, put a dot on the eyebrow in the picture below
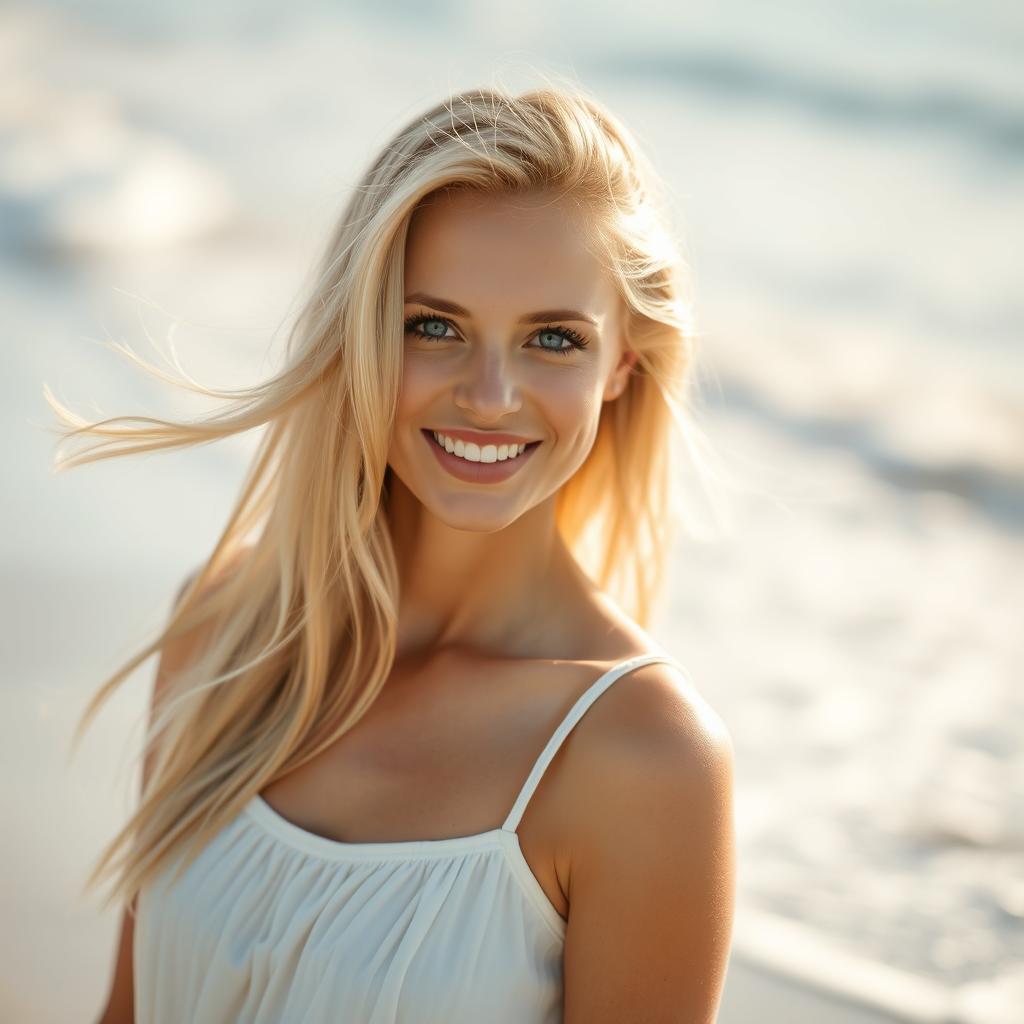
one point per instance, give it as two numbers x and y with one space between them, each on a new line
541 316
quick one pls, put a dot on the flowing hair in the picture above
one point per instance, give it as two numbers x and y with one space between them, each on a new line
300 623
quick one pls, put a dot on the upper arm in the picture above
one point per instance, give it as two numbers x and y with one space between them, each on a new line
120 1006
652 877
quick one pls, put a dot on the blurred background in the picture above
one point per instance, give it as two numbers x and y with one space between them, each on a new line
846 180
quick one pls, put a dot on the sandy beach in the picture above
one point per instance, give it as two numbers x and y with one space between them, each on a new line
849 190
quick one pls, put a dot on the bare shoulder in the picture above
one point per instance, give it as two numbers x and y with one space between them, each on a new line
653 719
652 872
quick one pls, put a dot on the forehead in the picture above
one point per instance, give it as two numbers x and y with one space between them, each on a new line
512 253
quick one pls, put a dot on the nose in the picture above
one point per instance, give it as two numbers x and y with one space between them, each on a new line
485 389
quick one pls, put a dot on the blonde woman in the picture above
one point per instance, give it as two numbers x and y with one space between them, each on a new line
412 755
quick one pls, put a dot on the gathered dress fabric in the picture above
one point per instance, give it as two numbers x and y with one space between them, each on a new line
272 924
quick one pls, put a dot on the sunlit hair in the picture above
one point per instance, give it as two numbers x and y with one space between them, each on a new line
297 603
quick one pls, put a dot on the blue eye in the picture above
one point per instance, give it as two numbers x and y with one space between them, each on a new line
414 321
575 340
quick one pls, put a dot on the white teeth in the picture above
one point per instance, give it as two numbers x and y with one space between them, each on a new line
474 453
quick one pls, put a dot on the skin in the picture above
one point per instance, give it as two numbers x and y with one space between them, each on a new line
499 258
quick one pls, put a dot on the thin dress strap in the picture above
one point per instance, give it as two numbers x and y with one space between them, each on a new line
575 713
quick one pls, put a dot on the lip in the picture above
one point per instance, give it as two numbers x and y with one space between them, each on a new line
479 472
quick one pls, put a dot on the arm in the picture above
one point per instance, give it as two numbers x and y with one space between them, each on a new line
120 1007
652 874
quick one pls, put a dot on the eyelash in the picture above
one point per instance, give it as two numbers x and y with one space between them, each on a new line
576 341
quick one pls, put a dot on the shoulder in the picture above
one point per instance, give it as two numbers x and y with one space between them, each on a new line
650 745
655 716
652 876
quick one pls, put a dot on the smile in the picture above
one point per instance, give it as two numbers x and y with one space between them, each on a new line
476 468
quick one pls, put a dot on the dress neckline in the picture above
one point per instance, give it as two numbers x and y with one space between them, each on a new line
335 849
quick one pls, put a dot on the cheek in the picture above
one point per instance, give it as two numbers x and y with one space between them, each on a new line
572 408
419 383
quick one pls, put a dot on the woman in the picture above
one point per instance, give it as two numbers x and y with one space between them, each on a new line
388 775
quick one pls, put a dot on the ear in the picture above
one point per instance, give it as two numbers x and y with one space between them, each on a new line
619 377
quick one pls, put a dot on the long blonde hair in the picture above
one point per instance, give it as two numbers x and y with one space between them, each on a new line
303 627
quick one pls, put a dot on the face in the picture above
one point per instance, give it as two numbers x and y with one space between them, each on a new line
512 327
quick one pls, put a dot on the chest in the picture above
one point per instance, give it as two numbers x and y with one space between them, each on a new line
444 752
